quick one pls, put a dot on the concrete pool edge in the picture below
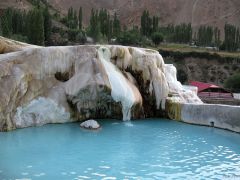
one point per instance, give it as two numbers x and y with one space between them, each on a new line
218 116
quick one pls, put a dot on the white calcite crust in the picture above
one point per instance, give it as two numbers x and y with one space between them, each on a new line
90 124
121 89
41 85
179 93
39 112
149 62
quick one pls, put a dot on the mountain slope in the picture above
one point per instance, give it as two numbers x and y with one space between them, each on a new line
197 12
19 4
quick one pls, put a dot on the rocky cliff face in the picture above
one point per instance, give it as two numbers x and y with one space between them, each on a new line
64 84
204 67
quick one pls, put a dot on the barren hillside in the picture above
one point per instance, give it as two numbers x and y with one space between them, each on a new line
198 12
20 4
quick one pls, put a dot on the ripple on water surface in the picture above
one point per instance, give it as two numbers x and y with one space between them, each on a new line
144 149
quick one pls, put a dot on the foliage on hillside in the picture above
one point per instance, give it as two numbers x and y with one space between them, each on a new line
233 83
157 38
36 27
221 57
33 26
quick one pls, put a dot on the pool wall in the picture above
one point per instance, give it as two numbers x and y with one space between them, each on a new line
220 116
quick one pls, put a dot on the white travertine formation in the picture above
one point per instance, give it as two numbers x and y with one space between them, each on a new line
8 45
39 112
121 89
181 94
149 62
236 96
64 84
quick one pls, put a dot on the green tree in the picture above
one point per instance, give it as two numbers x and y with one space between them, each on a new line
81 37
157 38
205 36
6 22
25 23
80 18
168 32
110 28
70 14
231 38
94 26
116 26
72 34
233 83
217 40
182 76
147 23
143 23
17 22
47 25
103 21
71 18
182 33
0 27
75 20
36 27
155 24
131 37
237 38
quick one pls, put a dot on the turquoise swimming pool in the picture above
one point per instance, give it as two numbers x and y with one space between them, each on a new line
142 149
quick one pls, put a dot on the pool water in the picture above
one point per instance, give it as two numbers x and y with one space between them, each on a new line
143 149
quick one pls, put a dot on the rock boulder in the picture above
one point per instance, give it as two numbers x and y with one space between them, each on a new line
90 124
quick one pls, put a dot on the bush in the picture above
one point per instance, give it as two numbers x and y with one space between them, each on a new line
129 38
157 38
205 55
233 83
19 37
81 37
182 76
72 34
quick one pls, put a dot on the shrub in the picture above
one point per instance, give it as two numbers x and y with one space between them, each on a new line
157 38
182 76
129 38
233 83
72 34
19 37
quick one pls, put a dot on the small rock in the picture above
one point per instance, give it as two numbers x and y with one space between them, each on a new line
90 124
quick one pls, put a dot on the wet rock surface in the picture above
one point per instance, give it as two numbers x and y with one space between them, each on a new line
90 124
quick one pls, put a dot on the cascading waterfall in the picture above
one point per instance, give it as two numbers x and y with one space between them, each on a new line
121 90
